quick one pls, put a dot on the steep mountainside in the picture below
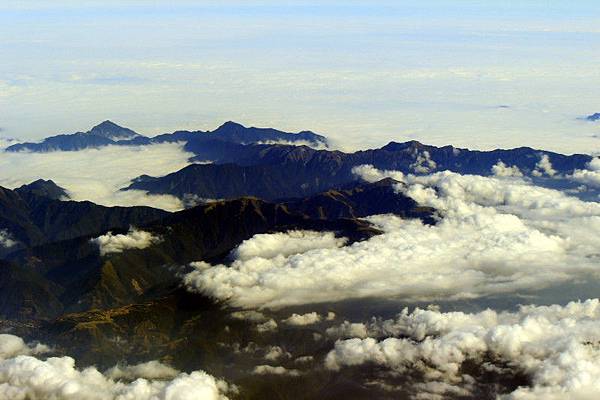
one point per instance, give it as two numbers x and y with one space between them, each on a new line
76 277
32 219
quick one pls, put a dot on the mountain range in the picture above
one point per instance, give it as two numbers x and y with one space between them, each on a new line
280 171
56 256
58 283
108 133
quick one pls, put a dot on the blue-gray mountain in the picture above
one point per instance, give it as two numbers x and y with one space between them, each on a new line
276 171
593 117
109 133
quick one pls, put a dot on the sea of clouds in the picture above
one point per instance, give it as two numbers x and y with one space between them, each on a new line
555 347
26 374
495 235
98 175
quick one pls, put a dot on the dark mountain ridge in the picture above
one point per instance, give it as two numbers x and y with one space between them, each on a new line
73 276
33 216
108 133
44 188
277 171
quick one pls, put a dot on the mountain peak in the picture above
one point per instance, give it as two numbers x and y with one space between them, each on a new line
230 125
395 146
45 188
110 130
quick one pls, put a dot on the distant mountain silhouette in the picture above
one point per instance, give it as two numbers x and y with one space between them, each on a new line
593 117
109 133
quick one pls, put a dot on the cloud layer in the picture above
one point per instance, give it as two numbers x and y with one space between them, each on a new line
25 376
134 239
556 347
497 235
98 174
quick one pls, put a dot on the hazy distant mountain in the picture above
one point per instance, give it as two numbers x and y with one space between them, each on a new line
109 133
112 131
594 117
104 134
274 172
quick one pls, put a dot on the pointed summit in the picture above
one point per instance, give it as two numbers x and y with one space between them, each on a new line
229 125
112 131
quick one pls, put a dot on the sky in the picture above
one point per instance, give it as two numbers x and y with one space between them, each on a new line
477 74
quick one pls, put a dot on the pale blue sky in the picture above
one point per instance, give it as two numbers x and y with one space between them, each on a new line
363 73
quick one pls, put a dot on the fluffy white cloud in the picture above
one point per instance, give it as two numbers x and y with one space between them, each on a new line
6 240
303 319
267 326
270 370
589 176
496 236
12 346
556 346
544 166
98 174
423 163
134 239
371 174
304 360
148 370
285 244
501 169
347 330
274 353
23 376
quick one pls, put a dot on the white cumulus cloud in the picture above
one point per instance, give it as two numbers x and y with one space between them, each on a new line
501 169
23 375
496 236
544 167
303 319
285 244
134 239
271 370
423 163
589 176
555 346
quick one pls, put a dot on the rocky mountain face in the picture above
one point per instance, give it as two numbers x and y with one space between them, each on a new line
32 216
274 172
70 274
